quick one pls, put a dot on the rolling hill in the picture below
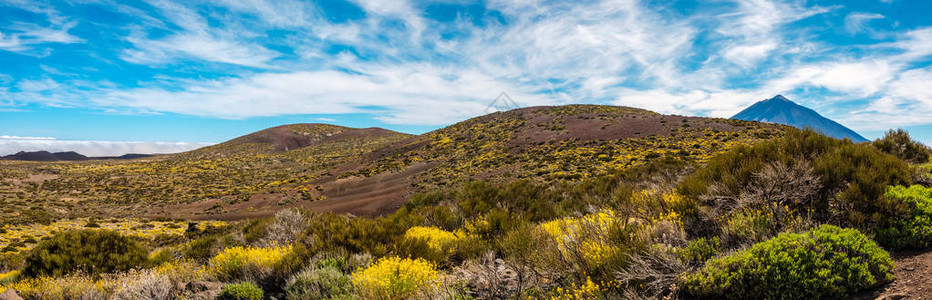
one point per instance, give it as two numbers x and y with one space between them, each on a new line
46 156
781 110
370 171
64 156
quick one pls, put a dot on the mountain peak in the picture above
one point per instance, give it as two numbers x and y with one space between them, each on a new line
781 110
779 98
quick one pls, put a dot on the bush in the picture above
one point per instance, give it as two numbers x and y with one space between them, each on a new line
87 251
149 285
68 287
241 291
901 145
826 262
700 250
431 243
9 277
252 263
395 278
913 231
318 283
585 238
202 248
852 178
286 227
857 176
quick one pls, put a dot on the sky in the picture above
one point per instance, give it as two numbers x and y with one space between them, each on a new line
105 77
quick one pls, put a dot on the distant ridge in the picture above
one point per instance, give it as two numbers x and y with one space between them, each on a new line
780 110
63 156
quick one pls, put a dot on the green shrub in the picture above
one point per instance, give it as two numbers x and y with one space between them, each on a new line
202 248
88 251
318 283
857 176
853 177
700 250
241 291
915 230
734 169
162 256
901 145
826 262
11 261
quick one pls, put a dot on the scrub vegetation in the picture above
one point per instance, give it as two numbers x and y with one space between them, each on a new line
716 209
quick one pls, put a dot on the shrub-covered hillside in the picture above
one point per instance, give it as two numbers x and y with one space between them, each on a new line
799 216
279 162
562 143
365 171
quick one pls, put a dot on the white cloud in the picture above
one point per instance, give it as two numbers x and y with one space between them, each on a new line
721 103
199 46
23 38
197 39
857 22
748 55
94 148
13 137
861 78
414 94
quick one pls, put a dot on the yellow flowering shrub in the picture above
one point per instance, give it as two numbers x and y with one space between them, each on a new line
437 239
26 286
69 287
132 227
238 262
587 235
182 270
8 275
585 291
653 206
395 278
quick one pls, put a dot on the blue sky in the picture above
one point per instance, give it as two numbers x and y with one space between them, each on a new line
94 73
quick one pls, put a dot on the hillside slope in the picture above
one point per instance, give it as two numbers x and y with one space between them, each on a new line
545 144
287 137
230 172
374 171
781 110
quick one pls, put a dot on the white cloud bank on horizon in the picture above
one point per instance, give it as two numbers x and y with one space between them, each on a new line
13 144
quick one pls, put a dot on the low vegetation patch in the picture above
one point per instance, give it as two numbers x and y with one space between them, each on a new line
86 251
396 278
914 230
241 291
827 262
247 262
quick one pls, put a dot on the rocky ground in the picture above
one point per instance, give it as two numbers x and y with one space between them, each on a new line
913 279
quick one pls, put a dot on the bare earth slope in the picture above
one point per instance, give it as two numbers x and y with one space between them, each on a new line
913 278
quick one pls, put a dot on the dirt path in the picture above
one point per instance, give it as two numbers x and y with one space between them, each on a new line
913 278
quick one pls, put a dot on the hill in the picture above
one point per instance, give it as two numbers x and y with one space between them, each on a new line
46 156
65 156
781 110
288 137
374 171
544 144
224 174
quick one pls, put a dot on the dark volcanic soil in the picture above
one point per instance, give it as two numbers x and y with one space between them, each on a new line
913 278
